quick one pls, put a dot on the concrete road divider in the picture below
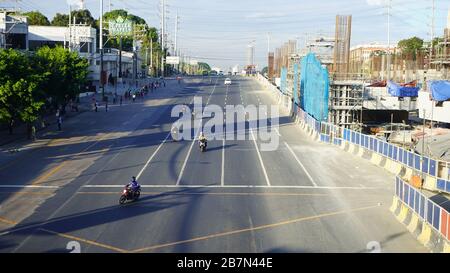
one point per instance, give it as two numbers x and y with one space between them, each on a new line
423 217
413 225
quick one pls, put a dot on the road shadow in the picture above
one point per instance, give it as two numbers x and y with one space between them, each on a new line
146 205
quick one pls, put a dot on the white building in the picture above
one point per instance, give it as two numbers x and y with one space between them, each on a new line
430 110
79 38
83 39
378 98
13 30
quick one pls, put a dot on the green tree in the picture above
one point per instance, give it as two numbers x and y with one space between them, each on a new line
411 46
19 89
83 16
60 20
36 18
265 70
65 71
203 67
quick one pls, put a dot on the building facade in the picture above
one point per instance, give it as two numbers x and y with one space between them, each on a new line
13 30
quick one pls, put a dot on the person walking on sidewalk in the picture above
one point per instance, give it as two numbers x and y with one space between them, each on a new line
106 105
120 100
59 123
33 133
96 106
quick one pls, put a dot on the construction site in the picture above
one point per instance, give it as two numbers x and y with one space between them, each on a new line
370 88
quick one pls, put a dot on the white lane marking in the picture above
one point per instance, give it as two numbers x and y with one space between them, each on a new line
301 165
193 142
152 156
260 159
29 186
238 186
186 160
276 130
222 176
156 151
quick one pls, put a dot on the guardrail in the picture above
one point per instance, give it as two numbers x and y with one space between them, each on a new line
426 209
330 133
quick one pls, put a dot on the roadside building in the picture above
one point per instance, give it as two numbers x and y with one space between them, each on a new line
361 57
13 30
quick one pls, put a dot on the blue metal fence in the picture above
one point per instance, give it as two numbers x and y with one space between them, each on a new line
330 132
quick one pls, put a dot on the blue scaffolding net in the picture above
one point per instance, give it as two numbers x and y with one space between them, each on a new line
314 85
283 79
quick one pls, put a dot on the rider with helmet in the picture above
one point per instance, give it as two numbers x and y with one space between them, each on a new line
203 139
133 185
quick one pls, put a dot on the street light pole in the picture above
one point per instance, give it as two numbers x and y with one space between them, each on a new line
101 50
163 22
389 41
423 144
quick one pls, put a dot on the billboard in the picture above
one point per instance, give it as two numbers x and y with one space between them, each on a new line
172 60
120 27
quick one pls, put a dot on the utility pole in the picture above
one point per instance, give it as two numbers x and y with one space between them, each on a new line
176 33
433 8
163 34
70 27
151 56
423 145
101 50
389 41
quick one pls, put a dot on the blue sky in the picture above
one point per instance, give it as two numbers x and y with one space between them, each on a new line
221 29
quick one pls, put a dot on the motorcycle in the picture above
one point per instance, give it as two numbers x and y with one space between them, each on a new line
203 146
128 194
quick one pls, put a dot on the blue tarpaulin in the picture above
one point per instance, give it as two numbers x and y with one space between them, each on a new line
283 80
440 90
401 91
314 85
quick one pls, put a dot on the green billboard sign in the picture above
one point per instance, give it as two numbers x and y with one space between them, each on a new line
120 27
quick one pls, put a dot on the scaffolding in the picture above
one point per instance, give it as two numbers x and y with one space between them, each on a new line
441 58
346 103
291 71
270 66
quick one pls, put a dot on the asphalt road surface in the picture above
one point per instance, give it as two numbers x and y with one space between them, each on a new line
235 197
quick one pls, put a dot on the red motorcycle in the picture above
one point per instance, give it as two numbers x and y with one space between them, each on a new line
128 194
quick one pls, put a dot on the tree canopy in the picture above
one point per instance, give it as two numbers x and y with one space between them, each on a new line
265 70
36 18
204 66
66 73
83 16
60 20
19 88
411 45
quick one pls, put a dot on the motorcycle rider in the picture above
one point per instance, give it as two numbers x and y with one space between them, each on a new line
203 139
133 185
175 133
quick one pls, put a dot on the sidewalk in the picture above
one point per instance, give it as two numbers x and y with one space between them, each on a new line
18 140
